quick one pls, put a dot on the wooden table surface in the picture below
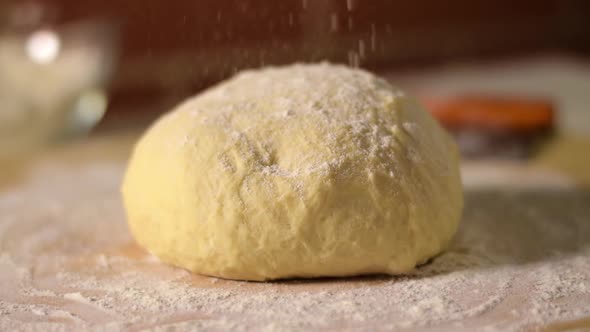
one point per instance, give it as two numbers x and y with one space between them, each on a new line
72 244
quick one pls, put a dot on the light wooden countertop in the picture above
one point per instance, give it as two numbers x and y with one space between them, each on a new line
41 232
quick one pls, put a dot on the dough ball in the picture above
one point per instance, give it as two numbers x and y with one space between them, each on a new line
297 171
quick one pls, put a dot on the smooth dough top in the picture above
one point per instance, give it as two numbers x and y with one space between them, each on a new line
296 171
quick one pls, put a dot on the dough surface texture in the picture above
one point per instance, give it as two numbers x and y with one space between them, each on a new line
296 171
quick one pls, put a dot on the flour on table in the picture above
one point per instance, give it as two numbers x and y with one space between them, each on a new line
521 260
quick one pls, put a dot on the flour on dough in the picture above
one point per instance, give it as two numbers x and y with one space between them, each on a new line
297 171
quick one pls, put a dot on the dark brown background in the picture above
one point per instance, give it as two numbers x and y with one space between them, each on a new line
173 48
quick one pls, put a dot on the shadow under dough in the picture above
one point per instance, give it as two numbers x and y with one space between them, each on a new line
507 226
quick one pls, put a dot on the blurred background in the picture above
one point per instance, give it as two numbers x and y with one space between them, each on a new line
501 75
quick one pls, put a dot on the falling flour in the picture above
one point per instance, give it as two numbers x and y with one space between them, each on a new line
521 261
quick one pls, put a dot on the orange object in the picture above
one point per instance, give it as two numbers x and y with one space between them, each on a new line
495 113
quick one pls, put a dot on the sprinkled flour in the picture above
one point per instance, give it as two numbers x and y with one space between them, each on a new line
521 260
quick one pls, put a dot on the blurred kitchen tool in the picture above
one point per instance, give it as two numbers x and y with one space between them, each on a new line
492 126
52 77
